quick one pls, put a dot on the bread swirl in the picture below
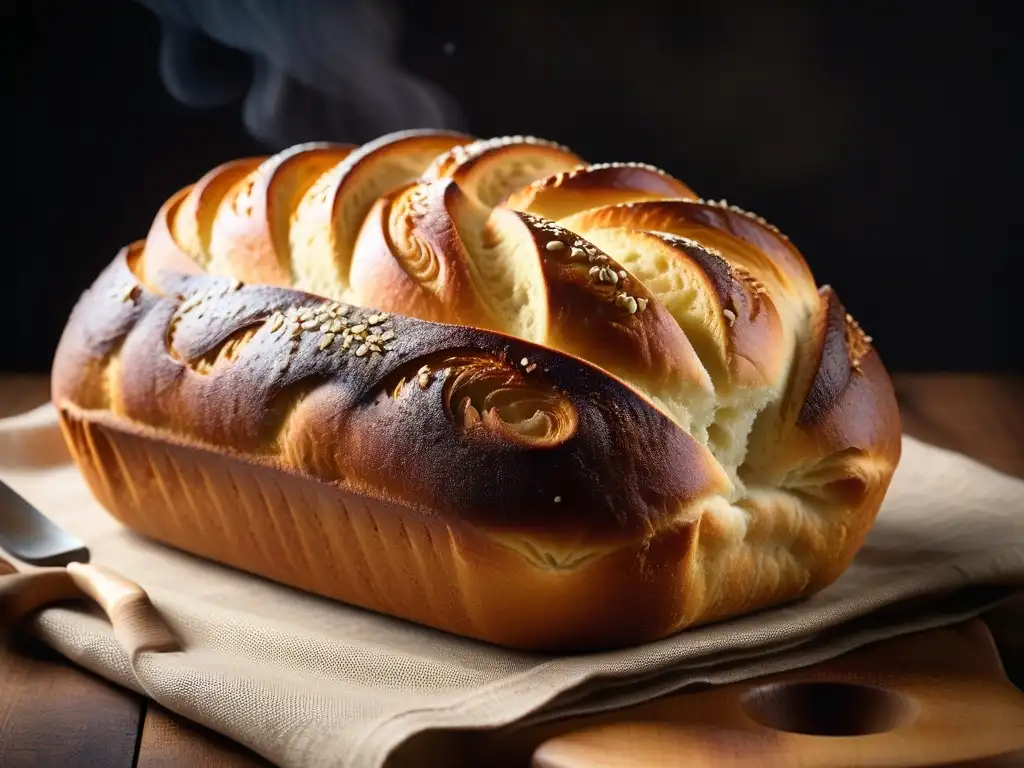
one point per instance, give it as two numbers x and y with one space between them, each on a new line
483 386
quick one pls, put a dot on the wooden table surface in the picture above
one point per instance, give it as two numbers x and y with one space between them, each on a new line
54 714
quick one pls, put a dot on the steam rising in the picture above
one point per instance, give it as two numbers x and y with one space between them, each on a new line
323 70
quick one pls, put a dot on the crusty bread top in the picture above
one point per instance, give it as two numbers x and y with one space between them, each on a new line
492 329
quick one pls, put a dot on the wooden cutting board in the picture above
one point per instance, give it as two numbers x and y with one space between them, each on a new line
936 698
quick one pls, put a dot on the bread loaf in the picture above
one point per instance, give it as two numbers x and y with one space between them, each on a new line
483 386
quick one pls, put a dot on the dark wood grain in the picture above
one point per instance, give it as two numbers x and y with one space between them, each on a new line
53 715
171 741
980 416
22 393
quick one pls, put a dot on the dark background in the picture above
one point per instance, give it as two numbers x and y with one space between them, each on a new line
876 135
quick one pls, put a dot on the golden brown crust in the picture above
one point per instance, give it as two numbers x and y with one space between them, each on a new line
488 171
745 239
179 239
563 194
598 311
346 417
250 233
328 219
429 251
741 334
550 435
410 255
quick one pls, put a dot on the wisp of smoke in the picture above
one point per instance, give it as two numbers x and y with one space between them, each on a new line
323 70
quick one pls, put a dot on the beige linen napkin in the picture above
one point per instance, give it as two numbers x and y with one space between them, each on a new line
310 683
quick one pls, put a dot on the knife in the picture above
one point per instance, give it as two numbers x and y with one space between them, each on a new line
30 536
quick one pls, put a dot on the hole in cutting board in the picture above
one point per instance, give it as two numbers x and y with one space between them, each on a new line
828 708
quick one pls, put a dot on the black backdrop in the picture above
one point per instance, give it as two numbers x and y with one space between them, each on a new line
876 135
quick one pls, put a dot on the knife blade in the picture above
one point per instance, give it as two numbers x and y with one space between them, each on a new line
30 536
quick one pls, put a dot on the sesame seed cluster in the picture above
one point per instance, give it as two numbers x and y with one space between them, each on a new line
336 327
856 340
602 270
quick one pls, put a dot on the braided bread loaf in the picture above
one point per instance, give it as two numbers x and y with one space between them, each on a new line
483 386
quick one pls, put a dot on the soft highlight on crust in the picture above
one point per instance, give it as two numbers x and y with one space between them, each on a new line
484 386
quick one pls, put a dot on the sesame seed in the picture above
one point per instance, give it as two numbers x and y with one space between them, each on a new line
524 362
325 327
558 499
309 325
325 342
424 380
373 319
357 329
576 253
346 342
375 348
555 245
595 271
337 325
531 367
641 304
622 274
296 331
388 347
276 324
362 350
730 316
387 336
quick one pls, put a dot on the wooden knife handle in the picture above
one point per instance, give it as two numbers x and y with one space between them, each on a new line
137 625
